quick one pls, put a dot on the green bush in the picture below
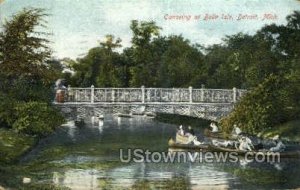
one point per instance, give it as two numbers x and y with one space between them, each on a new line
7 114
263 107
36 118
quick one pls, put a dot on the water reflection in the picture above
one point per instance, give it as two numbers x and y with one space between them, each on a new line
91 155
77 179
198 177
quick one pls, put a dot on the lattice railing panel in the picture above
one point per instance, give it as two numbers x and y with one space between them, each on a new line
145 95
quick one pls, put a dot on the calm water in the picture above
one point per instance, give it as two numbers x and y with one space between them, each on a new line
88 158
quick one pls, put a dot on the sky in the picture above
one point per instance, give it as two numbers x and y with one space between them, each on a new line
78 25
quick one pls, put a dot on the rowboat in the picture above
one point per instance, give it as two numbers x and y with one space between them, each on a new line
150 114
181 139
176 145
285 154
100 117
123 115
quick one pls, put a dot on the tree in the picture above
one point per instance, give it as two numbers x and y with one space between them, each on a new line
143 33
110 43
23 49
102 66
181 64
144 65
274 73
24 52
26 75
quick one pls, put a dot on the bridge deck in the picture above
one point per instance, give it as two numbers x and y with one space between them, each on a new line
203 103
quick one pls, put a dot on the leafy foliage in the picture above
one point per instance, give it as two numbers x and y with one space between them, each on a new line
25 70
26 75
36 118
261 108
266 63
23 49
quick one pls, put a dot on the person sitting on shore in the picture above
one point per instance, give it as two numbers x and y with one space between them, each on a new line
279 145
214 127
245 145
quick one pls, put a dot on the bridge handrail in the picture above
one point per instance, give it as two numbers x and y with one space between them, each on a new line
145 95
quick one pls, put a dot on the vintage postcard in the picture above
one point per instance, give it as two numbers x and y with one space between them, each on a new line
149 94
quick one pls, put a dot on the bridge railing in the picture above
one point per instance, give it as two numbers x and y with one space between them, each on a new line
144 95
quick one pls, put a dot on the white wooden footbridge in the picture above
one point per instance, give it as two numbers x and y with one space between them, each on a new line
204 103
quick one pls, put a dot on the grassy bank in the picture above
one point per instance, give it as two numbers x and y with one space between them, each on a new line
289 131
13 145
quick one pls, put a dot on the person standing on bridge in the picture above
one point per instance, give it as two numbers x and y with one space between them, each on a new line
60 90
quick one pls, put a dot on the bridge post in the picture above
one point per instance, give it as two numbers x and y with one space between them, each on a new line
143 94
92 93
148 94
191 94
113 95
202 92
234 94
70 98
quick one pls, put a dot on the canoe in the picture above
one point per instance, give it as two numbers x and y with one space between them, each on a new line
208 133
79 123
208 147
124 115
285 154
173 144
100 117
181 139
150 114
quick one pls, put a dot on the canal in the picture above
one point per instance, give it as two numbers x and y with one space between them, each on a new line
89 158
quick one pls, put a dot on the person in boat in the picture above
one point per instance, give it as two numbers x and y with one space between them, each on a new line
180 131
192 136
190 131
245 144
279 145
214 127
236 130
196 142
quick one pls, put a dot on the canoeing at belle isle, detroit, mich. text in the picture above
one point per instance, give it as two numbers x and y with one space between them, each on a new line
222 16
